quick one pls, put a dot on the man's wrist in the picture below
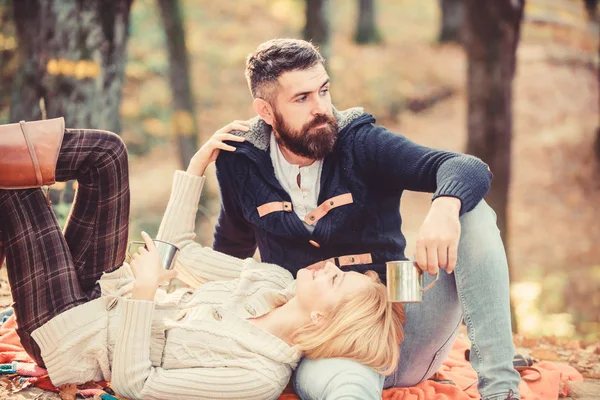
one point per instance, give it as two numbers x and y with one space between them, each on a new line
447 203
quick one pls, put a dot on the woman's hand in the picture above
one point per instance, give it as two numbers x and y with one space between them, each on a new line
210 150
148 271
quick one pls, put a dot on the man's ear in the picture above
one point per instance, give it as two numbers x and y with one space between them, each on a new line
264 110
317 317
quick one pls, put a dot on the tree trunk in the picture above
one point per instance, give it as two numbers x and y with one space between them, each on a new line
317 25
452 16
366 31
597 144
491 39
184 123
590 7
7 56
73 59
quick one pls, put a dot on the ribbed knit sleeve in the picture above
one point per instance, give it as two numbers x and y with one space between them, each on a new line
395 162
196 264
131 358
134 377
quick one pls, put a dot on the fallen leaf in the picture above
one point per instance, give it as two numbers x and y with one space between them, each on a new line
545 354
68 391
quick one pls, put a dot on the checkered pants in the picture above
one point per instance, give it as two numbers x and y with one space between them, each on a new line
49 271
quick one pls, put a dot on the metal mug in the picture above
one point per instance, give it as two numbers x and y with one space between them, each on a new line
166 251
405 282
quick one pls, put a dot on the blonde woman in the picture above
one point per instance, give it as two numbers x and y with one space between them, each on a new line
238 332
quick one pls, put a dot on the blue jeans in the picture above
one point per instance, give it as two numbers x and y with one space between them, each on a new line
477 291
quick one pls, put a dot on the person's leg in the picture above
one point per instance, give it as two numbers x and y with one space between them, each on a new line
40 271
97 228
484 292
44 279
429 332
336 378
478 289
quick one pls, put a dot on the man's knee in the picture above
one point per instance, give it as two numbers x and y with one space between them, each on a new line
481 215
333 379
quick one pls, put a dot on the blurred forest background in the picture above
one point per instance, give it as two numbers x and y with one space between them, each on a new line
517 85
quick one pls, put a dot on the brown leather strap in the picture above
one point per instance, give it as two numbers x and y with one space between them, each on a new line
34 159
274 206
328 205
530 377
345 261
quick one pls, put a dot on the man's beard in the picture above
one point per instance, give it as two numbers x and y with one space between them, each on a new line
310 142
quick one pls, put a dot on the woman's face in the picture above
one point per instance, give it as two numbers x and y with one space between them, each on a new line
321 289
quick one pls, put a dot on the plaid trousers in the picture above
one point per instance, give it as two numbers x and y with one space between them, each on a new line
49 271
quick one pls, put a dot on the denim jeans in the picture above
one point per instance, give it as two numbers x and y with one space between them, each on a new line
477 291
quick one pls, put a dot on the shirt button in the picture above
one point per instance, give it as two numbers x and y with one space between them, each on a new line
250 309
317 245
216 315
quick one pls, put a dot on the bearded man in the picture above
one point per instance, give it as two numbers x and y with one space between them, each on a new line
311 185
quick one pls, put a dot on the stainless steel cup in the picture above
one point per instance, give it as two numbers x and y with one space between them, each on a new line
405 282
167 252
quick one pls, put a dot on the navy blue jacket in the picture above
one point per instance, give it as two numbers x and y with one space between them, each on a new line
372 164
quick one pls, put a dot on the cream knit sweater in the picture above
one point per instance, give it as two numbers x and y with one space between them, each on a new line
190 344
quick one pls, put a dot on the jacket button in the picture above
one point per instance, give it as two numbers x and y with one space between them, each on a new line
331 203
317 245
216 315
111 304
250 310
351 259
312 217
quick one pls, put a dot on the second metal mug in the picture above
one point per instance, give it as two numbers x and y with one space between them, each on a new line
167 252
405 282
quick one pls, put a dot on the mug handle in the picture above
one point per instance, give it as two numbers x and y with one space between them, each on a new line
437 278
132 243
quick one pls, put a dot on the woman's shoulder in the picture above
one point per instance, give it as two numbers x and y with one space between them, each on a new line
268 273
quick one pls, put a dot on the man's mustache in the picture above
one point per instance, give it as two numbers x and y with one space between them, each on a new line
319 119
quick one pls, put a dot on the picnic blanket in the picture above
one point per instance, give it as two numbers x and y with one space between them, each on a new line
454 381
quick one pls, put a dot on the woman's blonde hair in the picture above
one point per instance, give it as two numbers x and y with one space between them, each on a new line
363 327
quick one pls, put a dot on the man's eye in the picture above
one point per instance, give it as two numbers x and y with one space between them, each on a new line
324 91
301 99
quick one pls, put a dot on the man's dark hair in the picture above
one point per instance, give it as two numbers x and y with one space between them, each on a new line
275 57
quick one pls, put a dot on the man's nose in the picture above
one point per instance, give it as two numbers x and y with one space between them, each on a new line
319 107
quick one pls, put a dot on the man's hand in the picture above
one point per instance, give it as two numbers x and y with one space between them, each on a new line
437 243
210 150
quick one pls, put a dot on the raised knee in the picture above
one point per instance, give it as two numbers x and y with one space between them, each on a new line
112 149
481 216
115 143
